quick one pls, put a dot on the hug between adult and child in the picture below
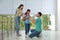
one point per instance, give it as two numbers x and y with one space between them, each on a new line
27 19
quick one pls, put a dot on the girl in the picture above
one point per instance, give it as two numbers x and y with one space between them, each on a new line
26 18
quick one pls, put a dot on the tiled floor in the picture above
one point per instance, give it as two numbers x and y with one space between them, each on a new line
46 35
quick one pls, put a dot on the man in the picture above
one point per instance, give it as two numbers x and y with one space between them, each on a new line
38 22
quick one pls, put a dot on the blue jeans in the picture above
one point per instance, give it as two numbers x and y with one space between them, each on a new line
27 28
34 33
17 23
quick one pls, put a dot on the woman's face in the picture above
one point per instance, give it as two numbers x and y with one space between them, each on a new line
21 7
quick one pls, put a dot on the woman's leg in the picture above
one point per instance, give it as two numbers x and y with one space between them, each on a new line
17 25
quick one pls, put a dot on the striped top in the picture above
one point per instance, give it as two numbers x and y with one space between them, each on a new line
27 16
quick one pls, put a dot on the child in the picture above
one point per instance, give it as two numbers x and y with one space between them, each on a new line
38 23
26 18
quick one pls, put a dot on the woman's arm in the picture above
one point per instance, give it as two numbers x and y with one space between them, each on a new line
23 17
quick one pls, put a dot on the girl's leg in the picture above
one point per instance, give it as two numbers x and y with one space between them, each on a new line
26 29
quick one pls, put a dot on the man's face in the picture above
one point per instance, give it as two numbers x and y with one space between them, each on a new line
37 15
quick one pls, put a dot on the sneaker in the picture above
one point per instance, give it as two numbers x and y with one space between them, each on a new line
30 36
18 35
26 35
38 36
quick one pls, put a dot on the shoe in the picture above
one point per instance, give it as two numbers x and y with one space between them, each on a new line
38 36
26 36
18 35
30 36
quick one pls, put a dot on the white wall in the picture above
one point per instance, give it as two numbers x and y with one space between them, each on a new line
52 26
6 6
58 15
49 6
10 6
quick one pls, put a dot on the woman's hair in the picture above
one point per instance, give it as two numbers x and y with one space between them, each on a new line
40 13
20 6
27 10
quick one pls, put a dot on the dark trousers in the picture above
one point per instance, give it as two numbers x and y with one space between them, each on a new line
34 33
27 28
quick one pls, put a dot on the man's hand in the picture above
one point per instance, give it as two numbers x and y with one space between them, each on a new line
32 20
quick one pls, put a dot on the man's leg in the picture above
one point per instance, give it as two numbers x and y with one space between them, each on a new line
33 34
32 30
38 34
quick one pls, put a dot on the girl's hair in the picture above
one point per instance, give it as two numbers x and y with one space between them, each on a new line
20 6
27 10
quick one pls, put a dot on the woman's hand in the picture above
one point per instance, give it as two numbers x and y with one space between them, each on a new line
23 17
22 14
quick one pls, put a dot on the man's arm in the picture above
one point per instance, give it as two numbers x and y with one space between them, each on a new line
34 21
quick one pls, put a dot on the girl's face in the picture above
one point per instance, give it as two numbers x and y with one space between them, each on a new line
28 12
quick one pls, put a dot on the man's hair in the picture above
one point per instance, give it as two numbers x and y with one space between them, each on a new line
40 13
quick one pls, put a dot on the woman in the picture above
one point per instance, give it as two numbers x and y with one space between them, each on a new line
26 18
18 15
